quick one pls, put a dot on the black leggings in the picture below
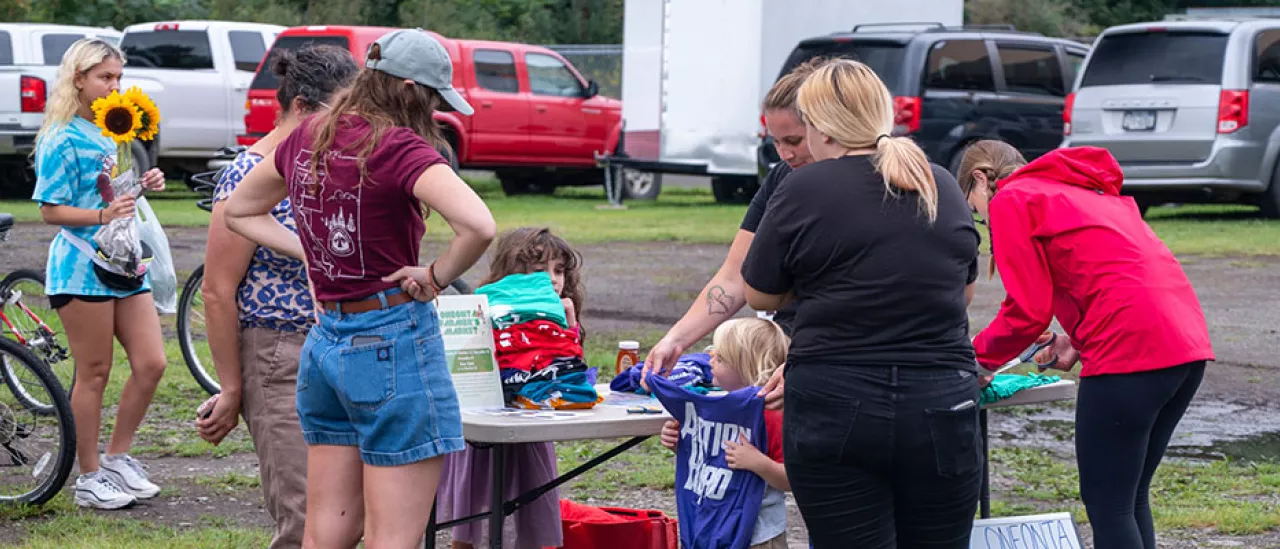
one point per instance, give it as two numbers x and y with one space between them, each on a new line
1123 424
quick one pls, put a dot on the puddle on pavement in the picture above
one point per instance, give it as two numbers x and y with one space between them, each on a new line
1208 431
1263 447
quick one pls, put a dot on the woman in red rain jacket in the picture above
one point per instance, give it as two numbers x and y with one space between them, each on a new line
1068 245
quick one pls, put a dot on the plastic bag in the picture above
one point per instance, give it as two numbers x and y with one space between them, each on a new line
164 280
117 241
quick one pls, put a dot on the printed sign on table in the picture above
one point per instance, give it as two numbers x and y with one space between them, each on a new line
1049 531
468 346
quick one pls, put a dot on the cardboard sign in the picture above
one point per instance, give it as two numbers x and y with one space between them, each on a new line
1049 531
467 329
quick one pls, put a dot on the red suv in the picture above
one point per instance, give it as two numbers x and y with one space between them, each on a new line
537 125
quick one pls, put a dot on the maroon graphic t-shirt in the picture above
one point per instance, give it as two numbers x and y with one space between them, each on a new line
356 231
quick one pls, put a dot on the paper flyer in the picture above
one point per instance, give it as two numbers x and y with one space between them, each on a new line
468 345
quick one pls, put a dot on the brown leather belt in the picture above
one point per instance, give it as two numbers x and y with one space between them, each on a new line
366 305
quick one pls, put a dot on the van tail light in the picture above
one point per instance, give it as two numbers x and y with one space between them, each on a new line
34 94
764 128
1233 110
906 114
1067 105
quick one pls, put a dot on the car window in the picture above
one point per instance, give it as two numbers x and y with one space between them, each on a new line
885 59
248 49
54 45
6 49
1031 70
549 76
1267 61
960 65
1156 58
496 71
168 49
266 80
1074 61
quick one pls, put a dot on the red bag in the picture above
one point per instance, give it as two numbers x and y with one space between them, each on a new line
587 527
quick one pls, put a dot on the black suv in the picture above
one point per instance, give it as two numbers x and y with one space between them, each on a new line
953 86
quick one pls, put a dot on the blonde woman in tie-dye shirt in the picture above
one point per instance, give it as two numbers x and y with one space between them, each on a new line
71 156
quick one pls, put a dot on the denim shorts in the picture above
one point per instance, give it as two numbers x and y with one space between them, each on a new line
379 380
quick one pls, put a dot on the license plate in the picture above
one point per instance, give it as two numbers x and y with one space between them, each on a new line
1139 121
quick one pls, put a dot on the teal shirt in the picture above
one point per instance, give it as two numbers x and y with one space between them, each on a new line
520 298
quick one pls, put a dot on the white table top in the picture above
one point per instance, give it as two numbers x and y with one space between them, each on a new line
610 419
606 420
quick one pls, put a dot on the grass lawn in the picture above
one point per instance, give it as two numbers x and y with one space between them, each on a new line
691 215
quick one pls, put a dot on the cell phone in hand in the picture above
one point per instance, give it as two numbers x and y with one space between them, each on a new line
206 409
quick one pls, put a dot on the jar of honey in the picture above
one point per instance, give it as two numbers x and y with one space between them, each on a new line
628 355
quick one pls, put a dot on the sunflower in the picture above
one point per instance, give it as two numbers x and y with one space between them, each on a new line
118 118
150 114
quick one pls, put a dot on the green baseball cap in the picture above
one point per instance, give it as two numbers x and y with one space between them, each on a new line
415 55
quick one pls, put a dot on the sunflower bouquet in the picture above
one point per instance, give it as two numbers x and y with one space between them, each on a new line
123 118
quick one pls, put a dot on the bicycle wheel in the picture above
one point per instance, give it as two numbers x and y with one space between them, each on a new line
36 326
193 336
461 287
37 450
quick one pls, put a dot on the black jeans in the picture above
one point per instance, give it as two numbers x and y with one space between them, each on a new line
881 457
1123 425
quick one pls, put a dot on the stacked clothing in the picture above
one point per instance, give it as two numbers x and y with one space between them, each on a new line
539 357
692 372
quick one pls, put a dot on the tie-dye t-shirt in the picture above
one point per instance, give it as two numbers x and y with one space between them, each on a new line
70 161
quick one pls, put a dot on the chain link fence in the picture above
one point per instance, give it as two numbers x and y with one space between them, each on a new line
599 62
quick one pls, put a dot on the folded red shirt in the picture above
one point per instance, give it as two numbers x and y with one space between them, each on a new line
530 346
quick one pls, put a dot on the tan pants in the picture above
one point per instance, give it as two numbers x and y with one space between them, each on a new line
779 542
269 359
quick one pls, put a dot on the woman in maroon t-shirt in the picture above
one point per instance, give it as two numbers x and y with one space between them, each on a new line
376 404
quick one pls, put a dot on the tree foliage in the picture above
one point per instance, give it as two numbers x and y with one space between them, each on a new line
547 21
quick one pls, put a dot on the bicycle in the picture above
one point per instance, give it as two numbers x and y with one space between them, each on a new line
192 331
22 304
34 462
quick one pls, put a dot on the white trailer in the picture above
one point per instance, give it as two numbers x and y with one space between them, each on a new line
694 73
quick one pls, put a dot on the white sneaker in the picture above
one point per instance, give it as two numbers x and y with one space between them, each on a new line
128 475
97 490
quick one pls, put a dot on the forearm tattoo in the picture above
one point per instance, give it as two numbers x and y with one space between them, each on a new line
719 302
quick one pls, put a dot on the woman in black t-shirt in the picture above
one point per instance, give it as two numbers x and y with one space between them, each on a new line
877 250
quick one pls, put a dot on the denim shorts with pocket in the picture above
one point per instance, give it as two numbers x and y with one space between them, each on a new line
379 380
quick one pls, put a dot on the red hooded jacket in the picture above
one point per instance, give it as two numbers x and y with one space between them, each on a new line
1068 245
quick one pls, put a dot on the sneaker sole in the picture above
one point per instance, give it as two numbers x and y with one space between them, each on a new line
93 502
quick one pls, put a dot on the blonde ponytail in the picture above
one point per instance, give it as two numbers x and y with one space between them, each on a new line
905 167
845 100
64 100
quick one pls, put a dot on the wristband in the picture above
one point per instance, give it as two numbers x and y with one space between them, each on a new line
100 215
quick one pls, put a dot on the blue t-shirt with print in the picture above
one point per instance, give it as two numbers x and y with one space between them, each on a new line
70 160
274 292
718 506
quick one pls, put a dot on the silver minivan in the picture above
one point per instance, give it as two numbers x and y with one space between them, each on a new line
1191 110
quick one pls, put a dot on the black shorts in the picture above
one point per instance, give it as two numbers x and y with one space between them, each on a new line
57 301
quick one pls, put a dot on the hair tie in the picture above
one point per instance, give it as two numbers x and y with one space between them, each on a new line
881 136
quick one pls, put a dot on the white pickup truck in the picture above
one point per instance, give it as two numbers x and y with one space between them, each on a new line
198 73
29 57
